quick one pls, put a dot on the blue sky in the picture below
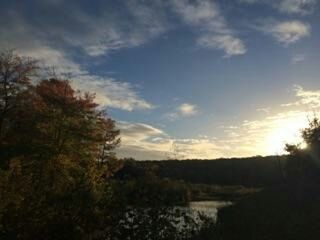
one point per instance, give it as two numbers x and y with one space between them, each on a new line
183 78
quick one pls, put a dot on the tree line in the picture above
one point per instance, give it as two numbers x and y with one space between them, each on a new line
249 172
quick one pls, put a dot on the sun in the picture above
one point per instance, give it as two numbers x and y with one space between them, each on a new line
285 131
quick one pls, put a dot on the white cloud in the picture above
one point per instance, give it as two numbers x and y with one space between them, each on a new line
288 32
187 109
71 24
298 58
295 6
307 98
28 40
49 57
264 110
109 92
145 142
301 7
142 141
112 93
171 116
198 12
146 21
183 110
137 132
215 33
228 43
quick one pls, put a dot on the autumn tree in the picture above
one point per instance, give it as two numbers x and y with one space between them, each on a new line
15 76
56 152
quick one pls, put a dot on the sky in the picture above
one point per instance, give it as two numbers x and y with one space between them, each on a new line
182 78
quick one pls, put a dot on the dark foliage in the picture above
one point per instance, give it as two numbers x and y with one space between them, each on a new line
289 211
249 172
139 186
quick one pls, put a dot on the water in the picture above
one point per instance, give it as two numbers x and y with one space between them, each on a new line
208 208
145 219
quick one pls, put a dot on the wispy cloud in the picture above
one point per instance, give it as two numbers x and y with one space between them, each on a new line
295 6
136 132
112 93
146 21
264 110
187 109
183 110
109 92
214 30
82 30
228 43
287 32
298 58
309 99
143 141
71 24
301 7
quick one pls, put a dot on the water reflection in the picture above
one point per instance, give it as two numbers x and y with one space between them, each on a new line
207 208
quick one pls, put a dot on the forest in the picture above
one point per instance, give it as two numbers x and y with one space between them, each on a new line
251 172
61 179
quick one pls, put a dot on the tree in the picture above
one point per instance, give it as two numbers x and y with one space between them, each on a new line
303 164
311 135
56 154
15 76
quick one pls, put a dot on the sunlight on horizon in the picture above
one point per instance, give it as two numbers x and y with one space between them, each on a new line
286 131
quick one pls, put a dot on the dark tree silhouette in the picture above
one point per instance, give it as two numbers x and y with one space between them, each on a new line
15 76
302 165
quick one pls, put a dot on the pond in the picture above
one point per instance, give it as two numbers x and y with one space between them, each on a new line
175 221
207 208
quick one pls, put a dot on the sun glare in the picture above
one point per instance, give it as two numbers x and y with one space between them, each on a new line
285 130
